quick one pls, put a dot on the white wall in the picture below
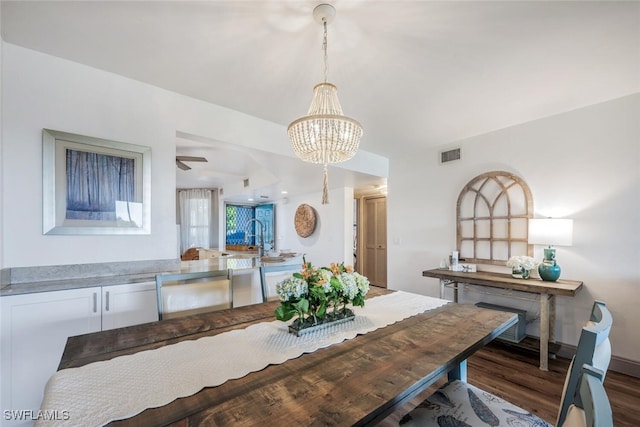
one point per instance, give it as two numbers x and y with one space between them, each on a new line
332 239
1 148
584 164
41 91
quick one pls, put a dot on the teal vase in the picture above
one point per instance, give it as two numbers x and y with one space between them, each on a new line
549 269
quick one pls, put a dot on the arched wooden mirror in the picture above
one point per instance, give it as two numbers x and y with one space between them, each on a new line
492 213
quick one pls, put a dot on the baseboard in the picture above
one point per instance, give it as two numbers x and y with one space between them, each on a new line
618 364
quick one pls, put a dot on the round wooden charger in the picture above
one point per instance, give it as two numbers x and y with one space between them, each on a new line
305 220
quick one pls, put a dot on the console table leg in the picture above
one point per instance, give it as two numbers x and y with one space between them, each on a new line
552 321
455 292
443 285
544 332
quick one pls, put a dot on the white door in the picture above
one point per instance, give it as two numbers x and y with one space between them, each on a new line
34 330
130 304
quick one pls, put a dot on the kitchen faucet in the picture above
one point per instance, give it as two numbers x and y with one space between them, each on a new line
261 235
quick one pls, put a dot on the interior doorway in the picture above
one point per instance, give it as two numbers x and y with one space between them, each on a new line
372 246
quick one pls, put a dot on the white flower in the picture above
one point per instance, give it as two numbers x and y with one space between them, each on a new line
323 290
522 261
291 287
362 282
349 285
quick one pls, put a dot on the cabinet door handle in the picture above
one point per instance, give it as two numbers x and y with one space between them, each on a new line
107 303
95 302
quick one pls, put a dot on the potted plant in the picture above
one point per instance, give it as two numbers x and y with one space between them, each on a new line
319 296
521 266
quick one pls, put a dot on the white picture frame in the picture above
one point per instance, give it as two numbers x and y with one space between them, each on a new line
77 170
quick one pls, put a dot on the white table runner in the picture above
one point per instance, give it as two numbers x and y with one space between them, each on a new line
100 392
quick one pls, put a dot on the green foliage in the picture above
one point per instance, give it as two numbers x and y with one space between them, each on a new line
302 307
315 294
285 312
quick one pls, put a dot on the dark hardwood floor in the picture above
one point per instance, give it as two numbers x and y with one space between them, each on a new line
513 374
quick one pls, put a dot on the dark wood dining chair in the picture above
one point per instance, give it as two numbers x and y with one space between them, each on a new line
270 274
460 403
183 294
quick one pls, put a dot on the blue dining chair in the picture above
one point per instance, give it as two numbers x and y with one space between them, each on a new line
591 405
593 349
458 403
272 273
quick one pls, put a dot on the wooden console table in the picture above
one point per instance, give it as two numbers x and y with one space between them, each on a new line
546 291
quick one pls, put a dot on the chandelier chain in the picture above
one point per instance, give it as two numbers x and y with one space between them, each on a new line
324 49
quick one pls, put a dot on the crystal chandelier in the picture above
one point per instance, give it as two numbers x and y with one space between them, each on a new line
325 135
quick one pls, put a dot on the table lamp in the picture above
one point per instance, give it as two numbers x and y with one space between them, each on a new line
551 232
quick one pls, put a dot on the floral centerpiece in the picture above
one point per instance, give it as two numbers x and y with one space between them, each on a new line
521 266
319 295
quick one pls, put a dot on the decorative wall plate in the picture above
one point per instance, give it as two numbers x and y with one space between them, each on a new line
305 220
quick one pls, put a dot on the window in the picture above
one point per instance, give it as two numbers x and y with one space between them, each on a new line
197 213
237 218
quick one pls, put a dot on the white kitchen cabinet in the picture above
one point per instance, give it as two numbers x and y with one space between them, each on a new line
34 331
130 304
35 328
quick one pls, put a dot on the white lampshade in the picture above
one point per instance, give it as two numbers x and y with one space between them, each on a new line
551 231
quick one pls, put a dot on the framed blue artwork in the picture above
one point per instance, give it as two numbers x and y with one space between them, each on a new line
95 186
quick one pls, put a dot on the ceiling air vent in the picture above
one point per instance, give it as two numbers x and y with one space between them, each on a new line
246 183
450 155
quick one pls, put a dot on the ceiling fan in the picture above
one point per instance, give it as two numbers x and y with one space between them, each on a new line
181 159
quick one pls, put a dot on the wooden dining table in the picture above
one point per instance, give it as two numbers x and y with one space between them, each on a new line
359 381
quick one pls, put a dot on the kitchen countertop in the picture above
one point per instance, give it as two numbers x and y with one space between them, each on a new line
235 262
77 283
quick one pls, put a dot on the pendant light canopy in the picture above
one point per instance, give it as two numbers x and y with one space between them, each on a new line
325 135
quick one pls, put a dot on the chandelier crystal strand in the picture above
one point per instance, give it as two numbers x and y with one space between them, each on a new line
325 135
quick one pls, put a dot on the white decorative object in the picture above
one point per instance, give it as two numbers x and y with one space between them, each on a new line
325 135
521 266
468 268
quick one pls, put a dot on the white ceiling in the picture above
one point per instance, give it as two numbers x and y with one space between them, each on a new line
414 73
271 176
